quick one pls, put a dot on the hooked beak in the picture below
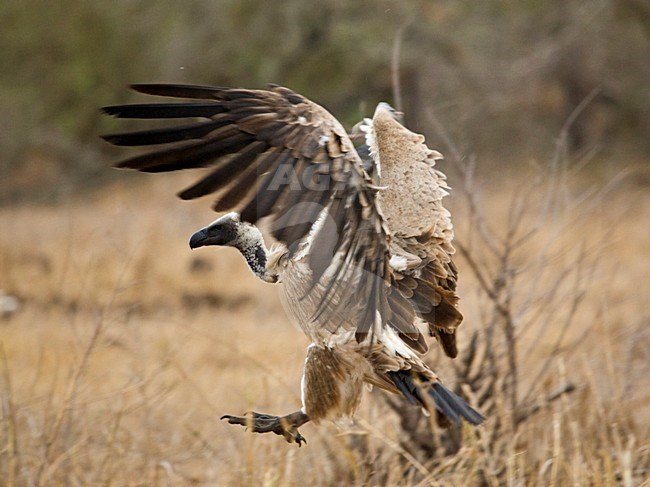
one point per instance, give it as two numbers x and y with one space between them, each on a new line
199 239
213 234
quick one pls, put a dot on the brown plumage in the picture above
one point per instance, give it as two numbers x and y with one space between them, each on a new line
366 267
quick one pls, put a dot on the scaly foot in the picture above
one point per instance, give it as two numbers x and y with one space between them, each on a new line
286 426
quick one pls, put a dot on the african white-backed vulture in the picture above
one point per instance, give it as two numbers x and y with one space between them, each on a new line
365 261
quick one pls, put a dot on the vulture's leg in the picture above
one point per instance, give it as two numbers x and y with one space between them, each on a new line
286 426
329 390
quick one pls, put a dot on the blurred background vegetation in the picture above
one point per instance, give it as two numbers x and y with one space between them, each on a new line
501 77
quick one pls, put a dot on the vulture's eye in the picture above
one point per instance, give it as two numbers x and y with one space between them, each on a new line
218 227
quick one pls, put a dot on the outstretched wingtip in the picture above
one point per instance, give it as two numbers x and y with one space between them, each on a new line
110 110
110 138
143 87
177 90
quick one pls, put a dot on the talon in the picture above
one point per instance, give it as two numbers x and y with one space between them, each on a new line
300 439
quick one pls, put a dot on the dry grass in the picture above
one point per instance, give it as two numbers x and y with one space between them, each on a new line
128 347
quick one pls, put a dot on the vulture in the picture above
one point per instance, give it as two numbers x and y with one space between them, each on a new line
360 240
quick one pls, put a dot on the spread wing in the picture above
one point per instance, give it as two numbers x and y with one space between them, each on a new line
273 153
412 205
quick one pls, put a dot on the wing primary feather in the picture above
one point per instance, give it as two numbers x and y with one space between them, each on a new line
194 154
341 268
198 153
292 202
165 135
300 218
238 94
179 91
245 184
288 183
216 180
148 111
328 240
263 204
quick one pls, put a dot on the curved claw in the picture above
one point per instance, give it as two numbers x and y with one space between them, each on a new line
299 439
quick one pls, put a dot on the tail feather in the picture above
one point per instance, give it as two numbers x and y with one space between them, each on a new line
412 384
403 381
453 406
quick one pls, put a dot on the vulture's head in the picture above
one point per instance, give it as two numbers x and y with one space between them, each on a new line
229 231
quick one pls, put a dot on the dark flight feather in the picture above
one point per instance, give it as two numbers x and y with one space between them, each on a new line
146 111
259 123
165 135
